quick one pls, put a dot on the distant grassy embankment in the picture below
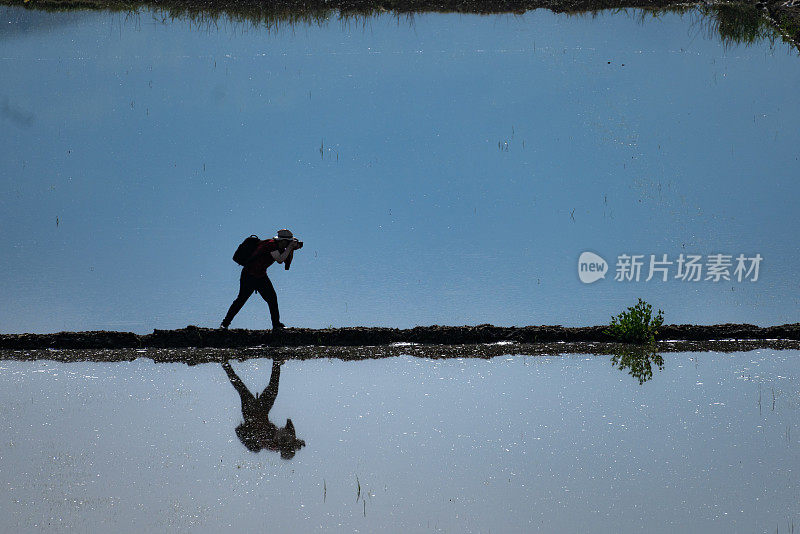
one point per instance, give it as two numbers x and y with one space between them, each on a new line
734 22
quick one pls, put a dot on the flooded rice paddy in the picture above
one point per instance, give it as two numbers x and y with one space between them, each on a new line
707 443
441 168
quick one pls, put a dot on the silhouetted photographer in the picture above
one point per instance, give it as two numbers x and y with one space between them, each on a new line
255 255
257 431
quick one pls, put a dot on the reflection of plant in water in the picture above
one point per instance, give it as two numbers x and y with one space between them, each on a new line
732 23
738 23
211 15
636 325
638 360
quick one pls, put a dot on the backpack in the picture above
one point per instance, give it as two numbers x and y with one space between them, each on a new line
245 251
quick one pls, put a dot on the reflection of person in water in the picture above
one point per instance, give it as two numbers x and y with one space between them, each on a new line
257 431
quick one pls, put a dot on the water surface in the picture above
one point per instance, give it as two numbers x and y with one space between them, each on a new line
442 169
511 444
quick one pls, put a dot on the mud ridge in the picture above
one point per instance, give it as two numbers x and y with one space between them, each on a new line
197 337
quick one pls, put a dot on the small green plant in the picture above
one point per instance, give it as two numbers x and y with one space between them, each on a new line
636 325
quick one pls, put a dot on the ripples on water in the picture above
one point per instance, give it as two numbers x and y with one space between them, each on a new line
510 444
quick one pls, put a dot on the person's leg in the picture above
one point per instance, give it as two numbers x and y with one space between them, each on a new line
248 399
246 289
266 290
267 397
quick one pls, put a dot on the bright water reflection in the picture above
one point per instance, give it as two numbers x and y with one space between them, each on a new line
511 444
447 169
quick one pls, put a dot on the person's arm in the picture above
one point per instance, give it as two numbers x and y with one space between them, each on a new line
281 256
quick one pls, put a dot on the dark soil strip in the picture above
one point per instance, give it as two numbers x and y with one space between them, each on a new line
196 337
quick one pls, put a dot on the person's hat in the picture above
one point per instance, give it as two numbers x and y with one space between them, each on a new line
284 234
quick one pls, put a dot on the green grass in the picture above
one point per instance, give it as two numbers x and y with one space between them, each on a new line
636 325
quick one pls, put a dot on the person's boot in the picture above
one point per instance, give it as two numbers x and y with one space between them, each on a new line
277 327
224 325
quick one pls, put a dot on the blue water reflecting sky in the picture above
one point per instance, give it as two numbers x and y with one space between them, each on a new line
447 169
512 444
